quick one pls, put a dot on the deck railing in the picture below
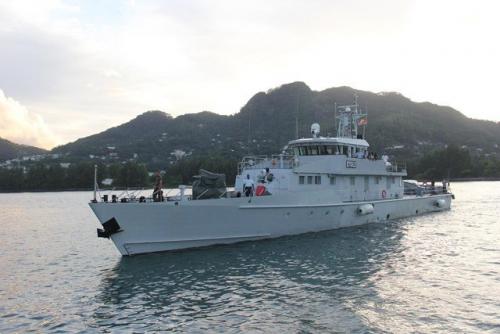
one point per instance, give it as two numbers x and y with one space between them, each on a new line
396 167
277 161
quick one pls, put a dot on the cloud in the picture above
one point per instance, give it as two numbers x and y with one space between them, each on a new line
21 126
90 65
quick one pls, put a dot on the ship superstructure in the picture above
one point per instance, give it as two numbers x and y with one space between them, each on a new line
342 167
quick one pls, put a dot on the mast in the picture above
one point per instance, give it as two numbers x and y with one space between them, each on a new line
249 129
335 118
366 123
95 184
297 117
349 117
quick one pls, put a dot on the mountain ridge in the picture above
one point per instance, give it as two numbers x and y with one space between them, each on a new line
268 121
11 150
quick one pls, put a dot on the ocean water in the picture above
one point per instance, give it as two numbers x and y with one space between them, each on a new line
429 274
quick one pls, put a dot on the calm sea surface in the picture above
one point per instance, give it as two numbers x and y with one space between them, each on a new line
434 273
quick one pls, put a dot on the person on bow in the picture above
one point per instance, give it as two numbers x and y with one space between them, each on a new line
157 191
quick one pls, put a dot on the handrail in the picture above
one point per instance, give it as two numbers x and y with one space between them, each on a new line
275 161
396 167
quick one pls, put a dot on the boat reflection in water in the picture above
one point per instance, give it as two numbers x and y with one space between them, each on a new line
309 282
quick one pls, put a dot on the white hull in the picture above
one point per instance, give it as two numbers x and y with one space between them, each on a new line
154 227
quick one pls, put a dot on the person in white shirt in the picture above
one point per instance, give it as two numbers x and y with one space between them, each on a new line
248 186
262 176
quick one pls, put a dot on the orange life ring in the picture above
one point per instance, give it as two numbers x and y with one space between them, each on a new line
273 162
384 194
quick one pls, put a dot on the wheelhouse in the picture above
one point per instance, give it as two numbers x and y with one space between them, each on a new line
353 148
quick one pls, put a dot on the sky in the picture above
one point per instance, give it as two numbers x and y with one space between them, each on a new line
69 68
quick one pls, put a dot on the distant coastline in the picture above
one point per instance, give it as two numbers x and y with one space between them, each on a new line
74 189
471 179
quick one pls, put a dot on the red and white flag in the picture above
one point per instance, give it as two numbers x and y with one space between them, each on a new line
363 121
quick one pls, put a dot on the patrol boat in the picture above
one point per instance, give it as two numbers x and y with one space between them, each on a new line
315 184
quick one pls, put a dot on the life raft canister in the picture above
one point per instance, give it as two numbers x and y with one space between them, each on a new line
260 190
384 194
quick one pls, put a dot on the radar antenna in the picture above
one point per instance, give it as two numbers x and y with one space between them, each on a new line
315 128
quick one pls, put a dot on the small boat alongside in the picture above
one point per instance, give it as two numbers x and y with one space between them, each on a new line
314 184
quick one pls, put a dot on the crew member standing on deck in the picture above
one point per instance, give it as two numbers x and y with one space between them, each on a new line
157 192
269 176
248 186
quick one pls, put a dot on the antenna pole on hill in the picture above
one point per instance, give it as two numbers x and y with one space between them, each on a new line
296 127
95 184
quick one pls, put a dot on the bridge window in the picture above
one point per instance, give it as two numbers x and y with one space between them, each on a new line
353 180
350 151
302 179
360 153
309 179
317 179
377 179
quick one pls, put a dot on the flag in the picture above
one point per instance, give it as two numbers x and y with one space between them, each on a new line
362 121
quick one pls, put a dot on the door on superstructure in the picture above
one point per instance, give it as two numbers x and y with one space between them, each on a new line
366 187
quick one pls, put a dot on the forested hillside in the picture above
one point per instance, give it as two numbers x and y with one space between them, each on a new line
437 142
10 150
396 126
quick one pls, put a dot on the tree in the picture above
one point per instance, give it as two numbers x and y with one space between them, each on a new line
133 175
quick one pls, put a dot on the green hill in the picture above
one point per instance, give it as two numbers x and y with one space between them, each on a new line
397 126
10 150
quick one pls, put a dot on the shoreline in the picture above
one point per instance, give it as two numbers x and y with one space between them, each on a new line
472 179
465 179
